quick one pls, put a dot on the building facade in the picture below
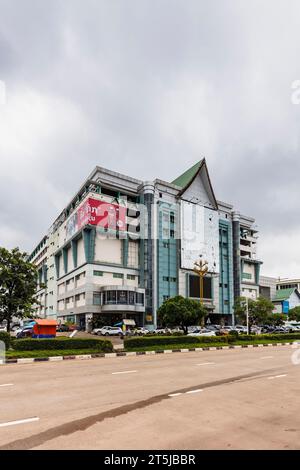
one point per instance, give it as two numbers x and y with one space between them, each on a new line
123 246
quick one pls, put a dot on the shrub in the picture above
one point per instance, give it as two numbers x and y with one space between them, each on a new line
5 337
62 344
147 341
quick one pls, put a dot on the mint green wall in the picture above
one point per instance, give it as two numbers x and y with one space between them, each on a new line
226 268
167 269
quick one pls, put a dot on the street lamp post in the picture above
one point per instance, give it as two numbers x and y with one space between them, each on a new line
201 268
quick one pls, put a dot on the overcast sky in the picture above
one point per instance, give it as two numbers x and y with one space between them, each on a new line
147 88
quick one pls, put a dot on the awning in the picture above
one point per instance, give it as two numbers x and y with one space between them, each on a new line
128 322
46 322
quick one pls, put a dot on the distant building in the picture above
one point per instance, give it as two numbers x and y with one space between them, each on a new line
287 283
286 299
267 287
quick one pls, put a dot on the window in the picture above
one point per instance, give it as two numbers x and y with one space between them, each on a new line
172 234
247 276
111 297
122 297
130 277
166 297
166 244
98 273
194 285
131 296
140 298
169 279
172 218
96 298
118 275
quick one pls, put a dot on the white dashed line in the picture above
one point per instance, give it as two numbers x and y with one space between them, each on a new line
267 357
20 421
174 394
205 364
6 385
195 391
124 372
277 376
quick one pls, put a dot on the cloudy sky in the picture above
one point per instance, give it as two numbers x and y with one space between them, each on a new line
147 88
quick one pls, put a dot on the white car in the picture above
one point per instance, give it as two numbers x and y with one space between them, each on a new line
140 331
108 331
203 332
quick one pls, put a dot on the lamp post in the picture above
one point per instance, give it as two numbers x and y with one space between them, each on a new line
201 268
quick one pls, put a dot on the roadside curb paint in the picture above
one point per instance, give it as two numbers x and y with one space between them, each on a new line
131 353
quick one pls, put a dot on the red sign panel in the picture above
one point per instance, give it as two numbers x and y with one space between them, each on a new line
101 213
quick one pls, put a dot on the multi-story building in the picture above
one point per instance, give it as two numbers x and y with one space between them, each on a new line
287 283
122 246
267 287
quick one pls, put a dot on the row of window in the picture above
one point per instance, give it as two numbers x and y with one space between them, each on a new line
118 297
130 277
169 279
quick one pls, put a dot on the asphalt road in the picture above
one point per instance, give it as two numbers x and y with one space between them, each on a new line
225 399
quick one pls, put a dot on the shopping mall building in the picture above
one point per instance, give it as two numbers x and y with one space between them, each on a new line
123 246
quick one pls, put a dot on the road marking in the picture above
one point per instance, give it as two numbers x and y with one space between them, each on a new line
20 421
205 364
174 394
6 385
124 372
267 357
277 376
195 391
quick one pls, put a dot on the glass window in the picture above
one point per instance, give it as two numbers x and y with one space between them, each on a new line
96 298
131 297
122 297
131 277
110 297
98 273
118 276
140 298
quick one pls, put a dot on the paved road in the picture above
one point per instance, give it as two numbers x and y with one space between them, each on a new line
225 399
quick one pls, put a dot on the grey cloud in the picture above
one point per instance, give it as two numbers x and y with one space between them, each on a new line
148 88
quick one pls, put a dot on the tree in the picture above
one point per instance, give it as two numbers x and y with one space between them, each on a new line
294 314
181 311
276 319
18 281
260 310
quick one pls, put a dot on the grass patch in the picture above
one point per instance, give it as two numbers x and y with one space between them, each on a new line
175 346
48 353
206 345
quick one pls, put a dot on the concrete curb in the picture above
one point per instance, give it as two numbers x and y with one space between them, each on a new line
134 353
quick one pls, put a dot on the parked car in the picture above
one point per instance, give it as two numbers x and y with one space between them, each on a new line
108 331
62 328
212 327
140 331
25 332
161 331
202 332
29 326
240 328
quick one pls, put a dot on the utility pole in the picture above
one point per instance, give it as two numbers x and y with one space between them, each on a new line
247 314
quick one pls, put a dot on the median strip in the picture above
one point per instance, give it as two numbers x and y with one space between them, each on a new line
124 372
19 421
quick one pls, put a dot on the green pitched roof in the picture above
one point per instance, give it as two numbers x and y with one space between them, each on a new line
184 179
284 294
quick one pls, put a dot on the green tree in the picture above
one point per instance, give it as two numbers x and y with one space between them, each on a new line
182 312
276 319
260 310
294 314
18 281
